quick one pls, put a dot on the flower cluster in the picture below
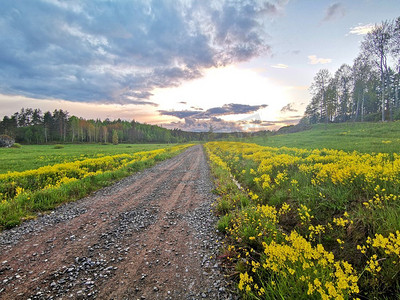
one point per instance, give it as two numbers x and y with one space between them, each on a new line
303 206
13 184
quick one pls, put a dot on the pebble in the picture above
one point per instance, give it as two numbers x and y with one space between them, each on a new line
72 280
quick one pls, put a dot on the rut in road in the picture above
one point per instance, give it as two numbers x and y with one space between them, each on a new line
149 236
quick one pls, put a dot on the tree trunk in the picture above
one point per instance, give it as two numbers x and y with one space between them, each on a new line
383 99
362 107
45 134
357 109
383 88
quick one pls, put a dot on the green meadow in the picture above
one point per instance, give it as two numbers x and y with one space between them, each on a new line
361 137
30 157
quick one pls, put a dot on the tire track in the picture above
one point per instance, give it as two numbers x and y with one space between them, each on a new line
150 235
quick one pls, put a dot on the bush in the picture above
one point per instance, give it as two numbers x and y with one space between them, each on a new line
58 146
16 145
6 141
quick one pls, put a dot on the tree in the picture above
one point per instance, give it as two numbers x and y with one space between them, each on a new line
312 110
9 126
210 133
343 83
115 137
47 124
361 73
395 51
395 43
60 118
319 88
377 45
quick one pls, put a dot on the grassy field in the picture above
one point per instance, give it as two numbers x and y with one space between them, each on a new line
362 137
30 157
24 193
309 221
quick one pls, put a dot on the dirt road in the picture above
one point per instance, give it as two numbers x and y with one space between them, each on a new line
149 236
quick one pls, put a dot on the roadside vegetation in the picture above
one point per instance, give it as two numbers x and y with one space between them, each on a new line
23 194
308 224
29 157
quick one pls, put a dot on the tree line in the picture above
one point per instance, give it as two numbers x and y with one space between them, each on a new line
32 126
366 91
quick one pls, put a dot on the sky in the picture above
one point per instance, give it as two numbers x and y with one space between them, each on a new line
230 65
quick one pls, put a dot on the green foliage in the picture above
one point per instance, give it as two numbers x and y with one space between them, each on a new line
223 223
24 194
31 126
16 145
115 137
345 205
34 156
58 146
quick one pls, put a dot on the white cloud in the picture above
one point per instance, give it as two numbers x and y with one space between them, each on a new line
361 29
314 60
280 66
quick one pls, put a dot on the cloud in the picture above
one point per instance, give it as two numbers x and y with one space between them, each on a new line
181 114
361 29
200 120
280 66
119 51
334 11
218 125
226 109
288 108
314 60
182 102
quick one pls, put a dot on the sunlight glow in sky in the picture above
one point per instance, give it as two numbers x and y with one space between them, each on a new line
232 65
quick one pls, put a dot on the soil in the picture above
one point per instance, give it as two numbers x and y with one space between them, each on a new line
149 236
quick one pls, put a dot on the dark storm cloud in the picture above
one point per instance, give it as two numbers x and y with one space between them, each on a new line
120 51
335 10
233 109
226 109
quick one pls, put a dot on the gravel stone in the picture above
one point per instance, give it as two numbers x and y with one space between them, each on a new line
149 236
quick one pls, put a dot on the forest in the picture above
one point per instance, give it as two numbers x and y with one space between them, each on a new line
366 91
32 126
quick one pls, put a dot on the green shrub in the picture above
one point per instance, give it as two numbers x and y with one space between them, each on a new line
16 145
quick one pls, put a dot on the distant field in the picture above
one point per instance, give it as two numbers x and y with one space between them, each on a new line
362 137
30 157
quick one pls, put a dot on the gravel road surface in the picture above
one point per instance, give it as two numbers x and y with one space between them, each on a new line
149 236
